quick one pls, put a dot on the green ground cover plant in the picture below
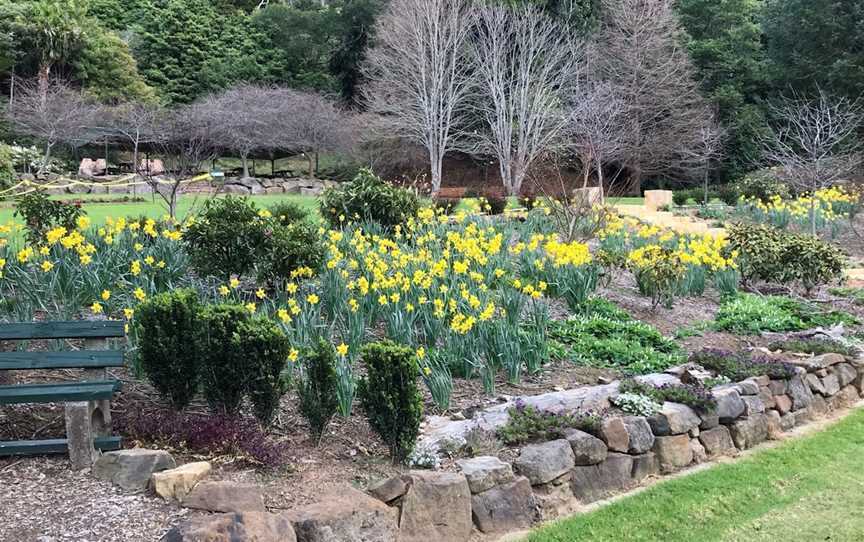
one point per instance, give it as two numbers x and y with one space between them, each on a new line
750 314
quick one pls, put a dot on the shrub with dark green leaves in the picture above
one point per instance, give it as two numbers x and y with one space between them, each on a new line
288 247
391 397
241 356
494 203
223 363
266 348
762 185
226 237
526 423
368 198
40 213
766 253
288 212
7 166
316 388
167 328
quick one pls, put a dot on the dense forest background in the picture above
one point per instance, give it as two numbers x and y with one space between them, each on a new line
746 52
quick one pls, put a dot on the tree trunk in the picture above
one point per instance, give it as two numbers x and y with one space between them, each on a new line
44 79
44 165
311 160
245 161
600 180
435 171
813 213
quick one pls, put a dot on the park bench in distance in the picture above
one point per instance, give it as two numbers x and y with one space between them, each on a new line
87 402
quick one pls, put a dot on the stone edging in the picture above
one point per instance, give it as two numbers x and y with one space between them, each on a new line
554 478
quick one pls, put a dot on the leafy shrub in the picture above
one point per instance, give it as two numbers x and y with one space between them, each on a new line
659 272
598 306
636 404
737 367
232 237
240 356
167 327
368 198
749 314
811 261
226 237
390 396
41 213
7 166
725 193
316 388
288 212
201 434
527 423
814 346
762 184
696 397
266 349
628 345
289 247
768 254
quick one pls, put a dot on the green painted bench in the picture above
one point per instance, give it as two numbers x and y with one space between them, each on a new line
87 401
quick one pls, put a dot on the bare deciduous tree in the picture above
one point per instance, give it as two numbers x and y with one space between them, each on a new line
318 125
418 79
815 142
185 139
598 128
54 114
641 54
708 149
134 122
525 65
242 118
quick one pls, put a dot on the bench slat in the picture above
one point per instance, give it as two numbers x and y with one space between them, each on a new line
77 359
62 330
58 392
52 446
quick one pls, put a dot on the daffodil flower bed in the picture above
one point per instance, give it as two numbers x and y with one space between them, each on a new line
831 206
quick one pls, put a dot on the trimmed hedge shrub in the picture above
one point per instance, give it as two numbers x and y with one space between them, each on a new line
167 327
391 397
266 348
368 198
316 388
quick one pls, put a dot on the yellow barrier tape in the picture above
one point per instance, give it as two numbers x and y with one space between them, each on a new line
109 184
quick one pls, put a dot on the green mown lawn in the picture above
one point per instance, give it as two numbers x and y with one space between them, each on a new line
805 490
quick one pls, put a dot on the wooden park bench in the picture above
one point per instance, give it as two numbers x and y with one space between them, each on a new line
87 401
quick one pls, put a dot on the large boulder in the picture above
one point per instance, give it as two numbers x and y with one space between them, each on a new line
178 482
782 403
729 404
504 508
594 482
587 449
389 489
225 497
639 431
644 465
614 434
800 393
846 374
753 405
346 515
831 384
542 463
750 431
673 452
236 527
674 419
717 442
132 469
484 473
437 506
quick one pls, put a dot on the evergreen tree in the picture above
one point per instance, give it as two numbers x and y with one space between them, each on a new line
725 45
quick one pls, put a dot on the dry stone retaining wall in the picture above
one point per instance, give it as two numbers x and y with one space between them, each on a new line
549 479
